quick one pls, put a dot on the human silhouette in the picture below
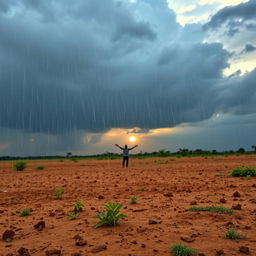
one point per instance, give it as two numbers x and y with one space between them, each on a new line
126 154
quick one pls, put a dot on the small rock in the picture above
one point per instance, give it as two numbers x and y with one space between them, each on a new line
143 246
80 241
168 194
244 250
8 235
236 194
40 225
187 239
219 252
53 252
101 197
152 222
76 254
223 200
134 242
23 252
193 202
99 248
237 207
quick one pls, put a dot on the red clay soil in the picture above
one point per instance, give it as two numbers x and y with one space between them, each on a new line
171 185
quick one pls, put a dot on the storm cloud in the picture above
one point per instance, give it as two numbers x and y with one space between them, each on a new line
99 64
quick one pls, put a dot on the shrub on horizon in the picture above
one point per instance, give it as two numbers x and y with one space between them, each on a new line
20 165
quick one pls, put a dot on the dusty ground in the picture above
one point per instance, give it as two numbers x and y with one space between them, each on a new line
169 188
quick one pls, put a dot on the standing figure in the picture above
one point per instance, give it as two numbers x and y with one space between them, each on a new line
126 154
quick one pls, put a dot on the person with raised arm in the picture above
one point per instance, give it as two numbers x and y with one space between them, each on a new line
126 154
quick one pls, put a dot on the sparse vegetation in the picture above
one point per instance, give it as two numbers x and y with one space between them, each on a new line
133 200
218 209
231 234
182 250
40 167
111 216
141 188
73 215
78 205
25 212
20 165
58 193
243 172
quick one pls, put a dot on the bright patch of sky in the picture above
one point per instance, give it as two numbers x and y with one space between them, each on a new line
193 11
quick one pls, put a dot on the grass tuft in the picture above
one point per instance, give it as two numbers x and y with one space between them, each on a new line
231 234
182 250
133 200
218 209
58 193
73 215
243 172
25 212
40 167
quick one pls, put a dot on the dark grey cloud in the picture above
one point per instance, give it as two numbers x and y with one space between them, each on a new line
98 64
249 48
234 17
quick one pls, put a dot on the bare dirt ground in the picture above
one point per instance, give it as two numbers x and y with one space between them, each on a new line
171 185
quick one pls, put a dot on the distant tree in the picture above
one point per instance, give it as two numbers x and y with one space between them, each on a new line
241 150
254 147
183 151
69 154
214 151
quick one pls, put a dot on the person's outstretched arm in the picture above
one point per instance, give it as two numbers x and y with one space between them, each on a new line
119 147
133 147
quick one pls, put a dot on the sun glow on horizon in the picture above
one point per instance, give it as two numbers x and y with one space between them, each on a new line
132 139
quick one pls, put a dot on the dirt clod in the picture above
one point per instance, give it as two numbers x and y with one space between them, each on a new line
8 235
23 252
40 225
244 250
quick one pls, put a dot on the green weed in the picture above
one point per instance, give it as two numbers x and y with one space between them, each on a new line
73 215
111 216
182 250
133 200
78 205
40 167
58 193
218 209
243 172
231 234
25 212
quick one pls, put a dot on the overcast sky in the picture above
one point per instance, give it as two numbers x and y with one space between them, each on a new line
82 75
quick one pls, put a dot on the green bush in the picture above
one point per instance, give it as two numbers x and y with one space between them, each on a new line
243 172
110 217
78 205
231 234
218 209
133 200
73 216
182 250
58 193
20 165
25 212
40 167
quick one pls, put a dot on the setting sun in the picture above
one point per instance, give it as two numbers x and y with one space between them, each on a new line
132 139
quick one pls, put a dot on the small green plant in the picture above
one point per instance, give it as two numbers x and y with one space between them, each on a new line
40 167
218 209
25 212
78 205
58 193
20 165
133 200
110 217
73 215
74 160
182 250
142 188
243 172
231 234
